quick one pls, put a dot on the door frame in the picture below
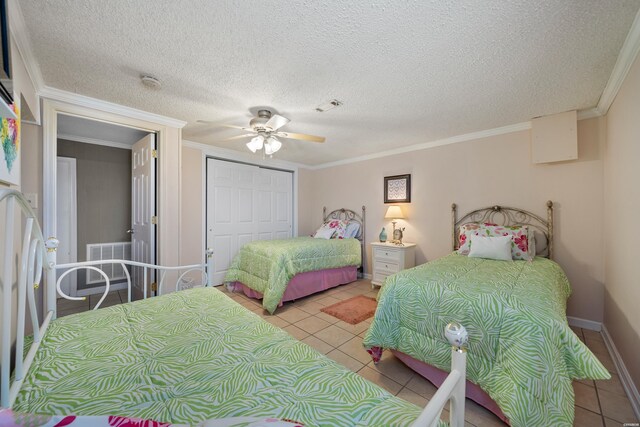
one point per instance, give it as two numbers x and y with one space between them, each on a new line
73 232
168 170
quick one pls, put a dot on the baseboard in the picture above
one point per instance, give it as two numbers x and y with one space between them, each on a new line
584 323
367 276
100 289
627 383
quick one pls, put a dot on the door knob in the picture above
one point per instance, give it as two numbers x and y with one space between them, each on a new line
130 231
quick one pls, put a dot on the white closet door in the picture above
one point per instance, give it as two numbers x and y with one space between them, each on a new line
274 199
245 203
282 199
230 211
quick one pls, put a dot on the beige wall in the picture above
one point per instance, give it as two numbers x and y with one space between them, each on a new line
494 170
192 233
23 86
31 143
306 195
621 208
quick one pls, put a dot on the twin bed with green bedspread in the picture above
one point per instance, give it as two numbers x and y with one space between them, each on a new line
521 349
267 266
191 356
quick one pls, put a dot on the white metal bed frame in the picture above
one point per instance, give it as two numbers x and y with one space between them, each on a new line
38 255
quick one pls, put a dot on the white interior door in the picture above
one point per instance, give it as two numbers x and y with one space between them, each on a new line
274 199
245 203
143 202
67 221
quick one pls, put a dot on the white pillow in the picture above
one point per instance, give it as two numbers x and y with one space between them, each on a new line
498 248
353 228
324 233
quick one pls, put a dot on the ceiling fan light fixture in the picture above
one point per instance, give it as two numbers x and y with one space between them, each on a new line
272 146
256 143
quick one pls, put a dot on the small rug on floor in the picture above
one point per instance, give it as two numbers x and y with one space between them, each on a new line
353 310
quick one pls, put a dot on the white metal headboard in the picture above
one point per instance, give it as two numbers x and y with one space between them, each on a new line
350 216
35 257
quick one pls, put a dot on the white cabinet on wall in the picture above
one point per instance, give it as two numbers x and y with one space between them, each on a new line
245 203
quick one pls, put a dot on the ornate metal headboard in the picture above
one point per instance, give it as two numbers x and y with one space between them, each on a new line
349 216
510 217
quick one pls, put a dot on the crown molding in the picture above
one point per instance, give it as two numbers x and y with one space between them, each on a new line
625 60
240 156
109 107
18 29
591 113
424 145
94 141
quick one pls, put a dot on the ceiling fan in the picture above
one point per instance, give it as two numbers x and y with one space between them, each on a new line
264 130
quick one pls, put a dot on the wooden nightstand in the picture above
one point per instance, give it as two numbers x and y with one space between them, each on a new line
389 259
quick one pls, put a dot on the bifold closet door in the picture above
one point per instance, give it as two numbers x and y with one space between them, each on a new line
245 203
274 199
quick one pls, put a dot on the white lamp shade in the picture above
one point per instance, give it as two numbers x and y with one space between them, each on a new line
394 212
271 146
256 143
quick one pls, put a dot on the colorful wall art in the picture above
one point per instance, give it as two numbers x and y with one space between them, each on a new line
10 152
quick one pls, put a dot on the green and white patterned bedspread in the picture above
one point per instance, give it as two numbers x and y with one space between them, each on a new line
191 356
521 349
267 265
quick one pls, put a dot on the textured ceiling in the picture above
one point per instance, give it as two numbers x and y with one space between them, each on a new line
408 72
72 126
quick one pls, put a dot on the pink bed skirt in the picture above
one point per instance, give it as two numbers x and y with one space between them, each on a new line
304 284
437 377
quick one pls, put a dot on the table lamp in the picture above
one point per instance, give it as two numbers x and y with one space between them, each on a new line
394 213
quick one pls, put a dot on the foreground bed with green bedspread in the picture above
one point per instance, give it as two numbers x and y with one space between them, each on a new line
191 356
267 266
521 349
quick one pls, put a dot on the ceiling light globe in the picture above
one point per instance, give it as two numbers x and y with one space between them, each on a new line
256 143
274 144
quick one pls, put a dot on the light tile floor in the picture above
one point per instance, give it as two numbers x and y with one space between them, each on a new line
598 403
67 307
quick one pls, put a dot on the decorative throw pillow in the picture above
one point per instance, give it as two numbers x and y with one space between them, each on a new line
519 236
339 226
336 226
353 228
498 248
324 233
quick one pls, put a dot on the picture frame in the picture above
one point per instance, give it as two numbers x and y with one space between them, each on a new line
10 151
397 189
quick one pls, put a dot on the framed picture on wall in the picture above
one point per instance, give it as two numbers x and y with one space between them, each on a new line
10 149
397 189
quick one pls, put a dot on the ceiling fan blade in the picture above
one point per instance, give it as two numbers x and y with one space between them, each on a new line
300 136
239 127
246 135
225 126
276 122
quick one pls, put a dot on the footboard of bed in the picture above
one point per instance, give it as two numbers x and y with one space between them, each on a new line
24 263
453 387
